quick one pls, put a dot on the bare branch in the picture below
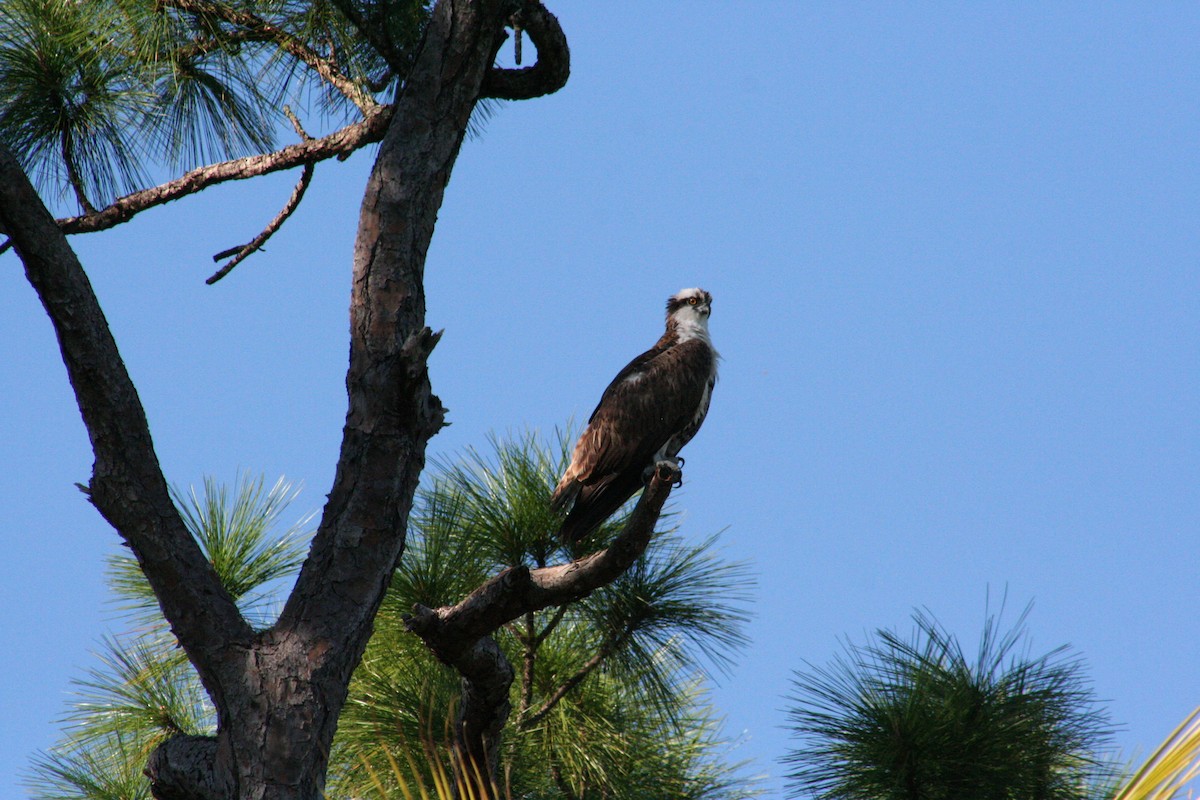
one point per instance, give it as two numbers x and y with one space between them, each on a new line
344 141
240 253
553 66
517 590
460 635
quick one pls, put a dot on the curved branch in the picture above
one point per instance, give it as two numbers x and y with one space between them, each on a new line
553 65
460 635
339 143
602 654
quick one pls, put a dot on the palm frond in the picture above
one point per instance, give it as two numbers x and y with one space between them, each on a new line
1169 770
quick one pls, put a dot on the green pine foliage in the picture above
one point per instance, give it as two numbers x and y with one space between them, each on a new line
610 695
916 719
144 689
94 94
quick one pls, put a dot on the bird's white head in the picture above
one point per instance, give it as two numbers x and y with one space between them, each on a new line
688 311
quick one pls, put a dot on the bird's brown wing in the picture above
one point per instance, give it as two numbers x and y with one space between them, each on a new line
654 398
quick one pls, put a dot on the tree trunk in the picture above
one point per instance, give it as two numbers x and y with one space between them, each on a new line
278 692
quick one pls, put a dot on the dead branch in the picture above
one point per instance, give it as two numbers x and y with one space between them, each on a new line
240 253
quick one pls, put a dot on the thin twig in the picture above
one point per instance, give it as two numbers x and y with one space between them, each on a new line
559 613
242 251
267 232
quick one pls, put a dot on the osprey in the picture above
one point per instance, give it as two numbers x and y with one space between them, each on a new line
647 414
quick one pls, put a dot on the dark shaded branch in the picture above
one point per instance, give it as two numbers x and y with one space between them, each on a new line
553 66
460 635
344 141
487 677
127 484
73 176
529 658
373 30
182 769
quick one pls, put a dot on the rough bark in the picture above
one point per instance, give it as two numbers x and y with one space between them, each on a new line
278 692
127 484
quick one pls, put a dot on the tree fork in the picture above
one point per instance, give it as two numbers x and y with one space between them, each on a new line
278 692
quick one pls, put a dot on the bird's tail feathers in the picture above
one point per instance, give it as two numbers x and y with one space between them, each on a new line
565 493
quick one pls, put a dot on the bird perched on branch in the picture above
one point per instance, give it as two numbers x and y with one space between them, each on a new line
646 415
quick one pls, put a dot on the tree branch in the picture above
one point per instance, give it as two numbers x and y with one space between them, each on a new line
341 142
460 635
261 30
127 484
241 252
450 630
529 661
559 613
604 651
372 30
553 66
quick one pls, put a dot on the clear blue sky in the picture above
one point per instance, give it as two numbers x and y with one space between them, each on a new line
955 255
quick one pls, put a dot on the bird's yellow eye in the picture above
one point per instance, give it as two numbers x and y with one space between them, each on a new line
692 301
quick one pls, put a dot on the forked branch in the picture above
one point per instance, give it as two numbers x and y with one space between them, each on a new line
241 252
451 630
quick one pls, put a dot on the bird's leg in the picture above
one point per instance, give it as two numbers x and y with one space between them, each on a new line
672 464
